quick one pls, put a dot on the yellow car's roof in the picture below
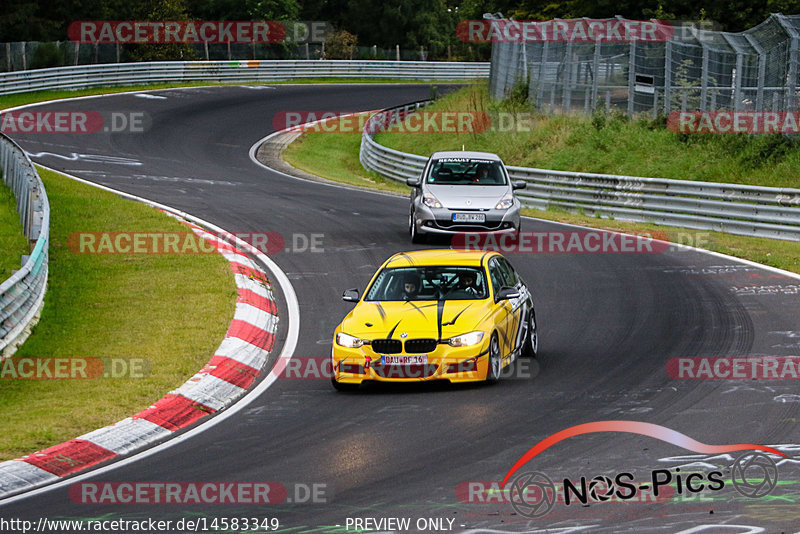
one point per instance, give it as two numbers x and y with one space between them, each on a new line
419 258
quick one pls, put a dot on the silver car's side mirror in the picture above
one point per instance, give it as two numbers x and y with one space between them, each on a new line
413 182
350 295
519 184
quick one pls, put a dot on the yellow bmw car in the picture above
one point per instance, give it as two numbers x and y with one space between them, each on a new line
435 315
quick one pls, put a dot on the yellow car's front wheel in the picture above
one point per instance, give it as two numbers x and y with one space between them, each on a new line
495 362
343 386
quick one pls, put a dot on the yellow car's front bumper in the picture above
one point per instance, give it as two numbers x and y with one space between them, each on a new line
456 364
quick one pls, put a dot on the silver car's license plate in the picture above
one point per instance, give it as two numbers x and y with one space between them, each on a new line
469 217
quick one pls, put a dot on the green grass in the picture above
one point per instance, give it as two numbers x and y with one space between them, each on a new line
334 152
610 143
335 157
13 243
171 310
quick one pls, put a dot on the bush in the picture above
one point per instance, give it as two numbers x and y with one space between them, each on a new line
46 55
340 45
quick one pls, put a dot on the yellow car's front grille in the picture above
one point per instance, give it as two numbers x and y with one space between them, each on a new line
387 346
411 346
420 346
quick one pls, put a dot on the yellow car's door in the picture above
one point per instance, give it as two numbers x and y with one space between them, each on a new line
504 313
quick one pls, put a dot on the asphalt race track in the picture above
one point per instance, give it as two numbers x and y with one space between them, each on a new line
609 322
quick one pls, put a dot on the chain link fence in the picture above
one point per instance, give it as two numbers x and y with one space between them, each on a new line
693 69
37 55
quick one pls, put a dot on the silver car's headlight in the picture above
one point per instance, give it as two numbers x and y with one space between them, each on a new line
431 201
466 340
346 340
505 203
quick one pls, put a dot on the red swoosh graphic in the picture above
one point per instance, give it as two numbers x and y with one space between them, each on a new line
633 427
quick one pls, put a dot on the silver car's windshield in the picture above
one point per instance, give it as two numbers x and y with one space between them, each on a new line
429 283
465 171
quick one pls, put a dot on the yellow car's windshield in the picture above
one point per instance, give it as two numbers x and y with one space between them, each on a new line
428 283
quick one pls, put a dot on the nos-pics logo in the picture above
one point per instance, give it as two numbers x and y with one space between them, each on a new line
533 494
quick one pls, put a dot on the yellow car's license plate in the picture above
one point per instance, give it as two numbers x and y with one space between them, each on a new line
417 359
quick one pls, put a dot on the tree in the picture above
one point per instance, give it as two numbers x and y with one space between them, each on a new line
340 45
161 10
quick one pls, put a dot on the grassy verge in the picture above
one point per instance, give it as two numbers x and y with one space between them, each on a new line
334 152
170 310
13 243
335 156
610 144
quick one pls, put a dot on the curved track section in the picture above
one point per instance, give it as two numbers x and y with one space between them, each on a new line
609 323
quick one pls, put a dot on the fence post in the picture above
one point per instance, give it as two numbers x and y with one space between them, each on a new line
595 74
762 71
566 99
631 77
737 82
667 76
542 74
704 78
791 82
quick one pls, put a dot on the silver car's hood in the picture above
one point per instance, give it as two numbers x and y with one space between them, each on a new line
469 196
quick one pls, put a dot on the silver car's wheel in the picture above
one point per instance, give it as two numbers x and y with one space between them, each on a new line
416 237
495 361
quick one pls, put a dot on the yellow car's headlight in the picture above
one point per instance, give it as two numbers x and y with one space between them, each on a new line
345 340
466 340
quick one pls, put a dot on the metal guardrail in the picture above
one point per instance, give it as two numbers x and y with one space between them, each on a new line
233 72
736 209
22 295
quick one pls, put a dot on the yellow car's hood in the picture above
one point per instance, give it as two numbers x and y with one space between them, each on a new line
418 319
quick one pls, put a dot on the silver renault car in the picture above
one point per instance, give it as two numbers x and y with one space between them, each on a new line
463 192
